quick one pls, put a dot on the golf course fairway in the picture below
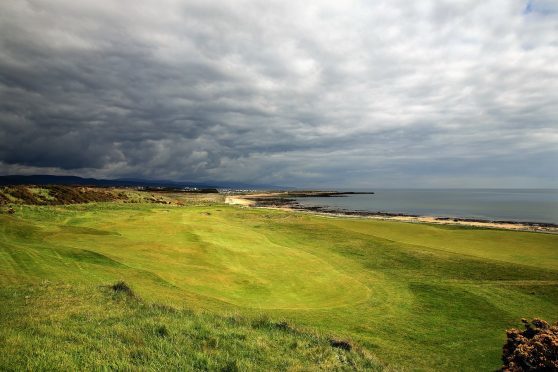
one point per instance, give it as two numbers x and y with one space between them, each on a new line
411 296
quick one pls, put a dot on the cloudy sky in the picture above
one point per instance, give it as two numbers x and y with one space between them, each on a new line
396 93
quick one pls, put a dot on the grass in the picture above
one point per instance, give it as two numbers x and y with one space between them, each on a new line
71 327
425 297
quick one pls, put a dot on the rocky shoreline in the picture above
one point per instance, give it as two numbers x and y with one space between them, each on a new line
286 201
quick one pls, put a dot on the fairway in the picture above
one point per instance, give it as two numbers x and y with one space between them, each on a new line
416 296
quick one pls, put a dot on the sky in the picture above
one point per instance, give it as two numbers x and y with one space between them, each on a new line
317 93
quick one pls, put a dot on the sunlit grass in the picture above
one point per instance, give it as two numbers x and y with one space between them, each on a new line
77 327
415 296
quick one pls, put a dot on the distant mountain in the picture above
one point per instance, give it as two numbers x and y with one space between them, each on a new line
126 182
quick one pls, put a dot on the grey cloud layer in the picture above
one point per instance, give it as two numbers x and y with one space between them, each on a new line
386 93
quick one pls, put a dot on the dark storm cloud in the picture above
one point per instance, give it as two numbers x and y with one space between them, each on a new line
315 93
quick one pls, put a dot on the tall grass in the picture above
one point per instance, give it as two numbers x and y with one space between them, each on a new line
81 327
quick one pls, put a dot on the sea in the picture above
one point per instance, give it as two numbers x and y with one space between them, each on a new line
520 205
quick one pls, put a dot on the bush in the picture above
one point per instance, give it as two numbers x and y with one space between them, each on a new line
534 349
122 287
162 331
78 195
22 193
341 344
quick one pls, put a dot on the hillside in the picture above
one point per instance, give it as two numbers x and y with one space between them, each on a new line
66 195
404 296
80 327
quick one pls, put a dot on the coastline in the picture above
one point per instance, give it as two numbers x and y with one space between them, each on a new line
284 201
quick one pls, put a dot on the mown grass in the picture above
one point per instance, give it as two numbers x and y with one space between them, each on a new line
416 296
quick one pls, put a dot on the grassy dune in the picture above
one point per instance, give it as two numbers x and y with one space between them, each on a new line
414 296
77 327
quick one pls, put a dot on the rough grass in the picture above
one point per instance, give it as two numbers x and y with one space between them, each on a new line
69 327
55 195
416 296
67 195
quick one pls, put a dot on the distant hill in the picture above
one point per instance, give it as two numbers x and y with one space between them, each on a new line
74 180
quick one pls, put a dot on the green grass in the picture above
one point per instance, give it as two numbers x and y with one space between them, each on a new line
416 296
71 327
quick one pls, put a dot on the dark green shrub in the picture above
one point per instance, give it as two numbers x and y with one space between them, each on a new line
341 344
162 331
122 287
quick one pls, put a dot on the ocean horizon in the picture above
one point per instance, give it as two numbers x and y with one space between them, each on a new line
519 205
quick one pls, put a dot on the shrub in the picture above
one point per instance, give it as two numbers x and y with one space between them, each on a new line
341 344
77 195
122 287
3 198
24 195
162 331
534 349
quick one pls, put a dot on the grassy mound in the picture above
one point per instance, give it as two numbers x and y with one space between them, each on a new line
67 195
56 195
66 327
